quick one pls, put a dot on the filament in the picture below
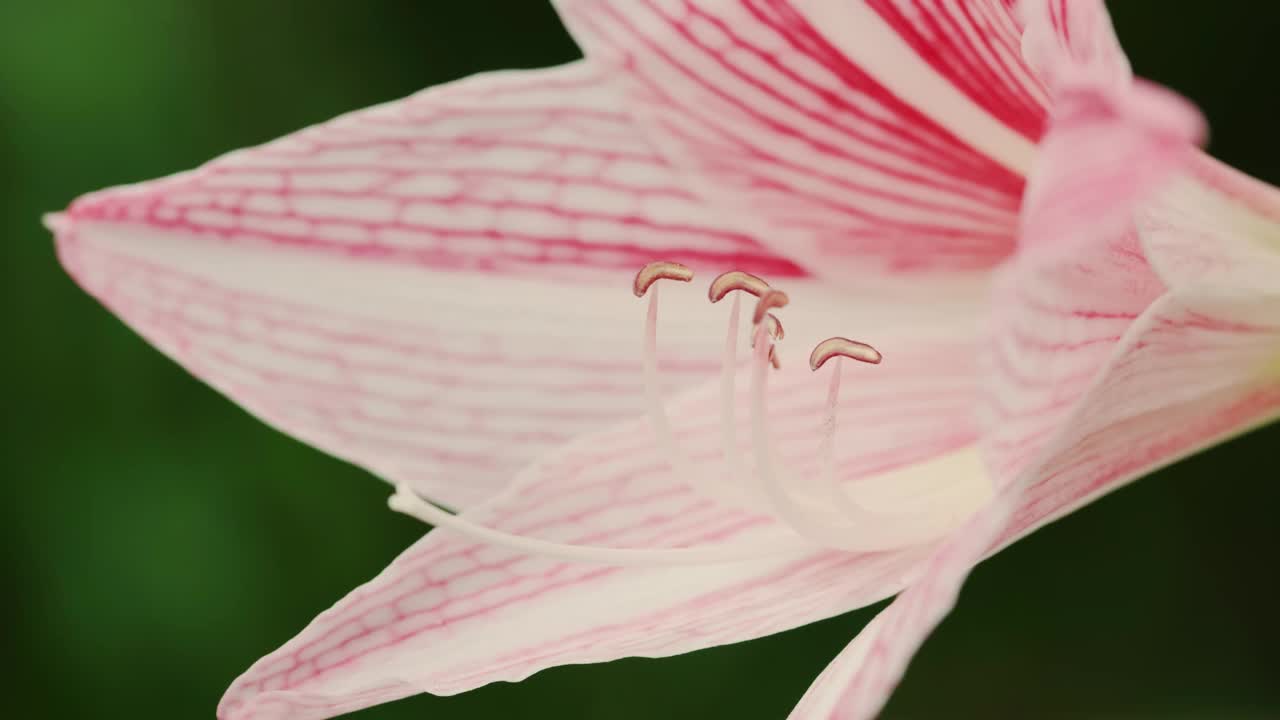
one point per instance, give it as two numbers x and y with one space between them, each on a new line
786 507
862 530
826 452
829 516
653 393
406 501
681 466
728 394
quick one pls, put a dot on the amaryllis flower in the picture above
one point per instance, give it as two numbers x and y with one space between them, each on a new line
1063 292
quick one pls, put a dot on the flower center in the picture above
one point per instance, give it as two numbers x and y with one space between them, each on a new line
912 506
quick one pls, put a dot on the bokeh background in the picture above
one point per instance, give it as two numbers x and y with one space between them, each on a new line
157 540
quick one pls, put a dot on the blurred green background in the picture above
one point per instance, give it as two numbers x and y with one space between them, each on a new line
158 540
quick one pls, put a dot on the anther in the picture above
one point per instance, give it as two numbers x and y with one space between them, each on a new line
726 283
842 347
659 270
768 301
773 326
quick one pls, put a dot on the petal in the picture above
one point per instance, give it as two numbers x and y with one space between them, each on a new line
1209 233
1072 43
1112 140
1106 152
1104 366
1192 371
1215 228
886 135
858 682
450 615
420 287
1056 322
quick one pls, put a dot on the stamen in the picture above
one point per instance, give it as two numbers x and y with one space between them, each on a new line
837 348
842 347
659 270
780 542
862 530
652 389
774 326
787 509
667 445
726 283
728 392
769 301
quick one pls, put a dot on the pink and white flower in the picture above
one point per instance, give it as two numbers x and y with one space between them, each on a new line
1067 296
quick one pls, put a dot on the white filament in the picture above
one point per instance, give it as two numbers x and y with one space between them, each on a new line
836 492
783 504
728 393
406 501
657 413
861 530
806 520
827 439
653 391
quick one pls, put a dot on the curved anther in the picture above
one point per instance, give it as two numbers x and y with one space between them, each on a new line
659 270
768 301
726 283
773 326
842 347
773 358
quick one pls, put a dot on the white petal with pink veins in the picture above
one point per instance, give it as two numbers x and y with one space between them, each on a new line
492 614
1186 376
1215 228
1070 42
434 289
868 40
864 137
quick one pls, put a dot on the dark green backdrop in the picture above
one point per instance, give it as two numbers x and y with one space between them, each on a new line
157 540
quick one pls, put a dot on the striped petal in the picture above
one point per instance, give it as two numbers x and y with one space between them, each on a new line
1073 43
1215 228
860 136
450 614
1112 140
1192 371
1109 364
436 289
856 684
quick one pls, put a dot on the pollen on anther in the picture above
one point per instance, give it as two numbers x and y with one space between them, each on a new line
727 282
659 270
842 347
768 301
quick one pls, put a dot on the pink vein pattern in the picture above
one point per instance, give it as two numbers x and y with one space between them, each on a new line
1216 228
497 172
538 176
975 46
769 119
1183 378
1057 321
451 615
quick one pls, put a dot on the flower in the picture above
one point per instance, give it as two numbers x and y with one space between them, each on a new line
435 289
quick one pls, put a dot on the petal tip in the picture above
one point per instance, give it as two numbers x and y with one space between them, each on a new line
56 222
